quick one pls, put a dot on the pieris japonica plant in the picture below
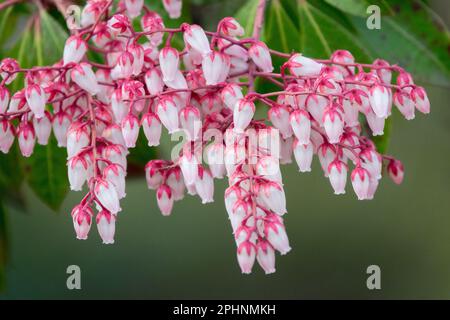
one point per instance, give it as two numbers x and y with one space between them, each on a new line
328 108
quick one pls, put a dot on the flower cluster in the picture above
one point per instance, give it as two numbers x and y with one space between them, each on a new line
206 91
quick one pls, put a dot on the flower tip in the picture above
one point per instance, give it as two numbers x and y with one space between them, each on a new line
270 271
285 251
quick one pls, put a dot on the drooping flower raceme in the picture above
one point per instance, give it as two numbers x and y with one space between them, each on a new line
205 91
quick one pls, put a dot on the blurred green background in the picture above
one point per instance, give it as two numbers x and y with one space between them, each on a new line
191 254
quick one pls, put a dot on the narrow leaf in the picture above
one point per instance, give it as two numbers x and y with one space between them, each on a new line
321 35
46 173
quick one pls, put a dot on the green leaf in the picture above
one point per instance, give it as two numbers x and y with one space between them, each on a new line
281 34
411 35
355 7
46 173
359 7
321 34
55 37
3 245
246 16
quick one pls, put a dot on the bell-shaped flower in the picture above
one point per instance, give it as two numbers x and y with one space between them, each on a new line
164 199
152 128
74 49
106 194
260 55
243 114
167 112
106 226
36 99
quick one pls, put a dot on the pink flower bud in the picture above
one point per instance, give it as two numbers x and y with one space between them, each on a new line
164 199
246 255
214 154
337 172
230 95
316 106
420 98
134 7
344 57
173 8
404 78
115 174
376 124
106 226
84 77
152 128
191 122
301 125
265 256
302 66
60 124
42 128
152 22
204 185
125 65
119 107
373 185
27 138
6 135
77 168
351 113
82 219
78 137
178 82
379 100
116 154
168 60
276 235
243 114
8 68
396 171
152 174
326 153
4 99
36 99
268 166
106 194
189 168
360 181
372 162
195 37
153 81
333 124
272 195
230 27
235 52
168 114
215 66
91 12
260 55
119 24
113 134
383 71
175 182
74 49
130 130
279 116
405 104
303 154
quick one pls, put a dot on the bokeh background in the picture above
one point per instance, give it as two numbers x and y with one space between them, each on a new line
191 254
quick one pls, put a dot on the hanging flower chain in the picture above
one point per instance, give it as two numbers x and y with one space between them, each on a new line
207 92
